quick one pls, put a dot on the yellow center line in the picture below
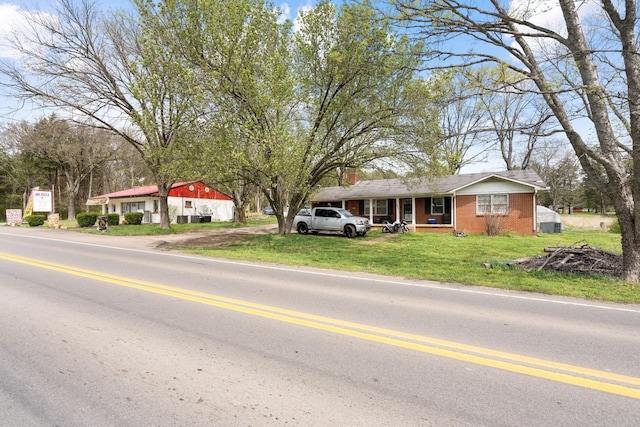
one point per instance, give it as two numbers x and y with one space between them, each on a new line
510 362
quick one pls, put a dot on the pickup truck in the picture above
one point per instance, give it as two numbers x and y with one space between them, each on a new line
330 219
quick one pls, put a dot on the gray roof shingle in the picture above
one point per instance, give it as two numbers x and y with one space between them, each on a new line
400 187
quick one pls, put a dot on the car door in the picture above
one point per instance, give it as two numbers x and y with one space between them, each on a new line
319 218
333 220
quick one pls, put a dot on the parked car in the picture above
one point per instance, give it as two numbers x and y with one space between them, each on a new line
331 219
268 211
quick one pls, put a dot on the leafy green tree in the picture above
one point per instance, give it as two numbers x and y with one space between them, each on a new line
290 108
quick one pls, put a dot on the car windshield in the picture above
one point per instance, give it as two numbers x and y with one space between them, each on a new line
345 212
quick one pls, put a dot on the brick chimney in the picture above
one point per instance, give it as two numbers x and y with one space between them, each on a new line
353 178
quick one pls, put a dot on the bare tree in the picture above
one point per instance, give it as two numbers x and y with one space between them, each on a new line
515 114
75 151
107 71
462 118
581 67
560 170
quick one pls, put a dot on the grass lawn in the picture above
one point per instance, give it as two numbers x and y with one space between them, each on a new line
440 257
424 256
154 229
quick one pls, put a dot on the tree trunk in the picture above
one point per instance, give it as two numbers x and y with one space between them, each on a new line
617 183
240 202
73 188
241 210
163 191
71 200
296 203
630 247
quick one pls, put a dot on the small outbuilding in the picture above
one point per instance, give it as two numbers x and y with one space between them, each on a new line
192 201
549 221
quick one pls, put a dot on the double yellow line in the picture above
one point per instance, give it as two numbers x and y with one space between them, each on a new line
569 374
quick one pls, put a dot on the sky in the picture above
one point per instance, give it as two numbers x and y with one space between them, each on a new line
11 17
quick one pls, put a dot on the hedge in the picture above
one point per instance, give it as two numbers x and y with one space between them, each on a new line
133 218
35 220
113 219
86 219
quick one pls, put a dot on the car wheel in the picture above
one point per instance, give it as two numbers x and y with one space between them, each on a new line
349 231
302 228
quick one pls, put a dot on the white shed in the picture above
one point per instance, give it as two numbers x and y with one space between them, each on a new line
549 221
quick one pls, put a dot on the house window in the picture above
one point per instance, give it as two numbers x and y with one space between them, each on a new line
156 207
437 205
380 207
188 204
132 207
492 204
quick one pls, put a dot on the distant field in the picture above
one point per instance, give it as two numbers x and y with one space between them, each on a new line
587 221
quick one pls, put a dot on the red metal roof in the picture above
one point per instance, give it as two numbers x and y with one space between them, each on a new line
176 190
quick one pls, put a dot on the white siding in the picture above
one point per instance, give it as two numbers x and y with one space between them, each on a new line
495 187
218 210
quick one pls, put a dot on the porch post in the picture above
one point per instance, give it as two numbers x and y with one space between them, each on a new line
370 211
535 210
398 209
413 212
454 212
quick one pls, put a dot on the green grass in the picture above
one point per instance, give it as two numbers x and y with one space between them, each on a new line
439 257
423 256
154 229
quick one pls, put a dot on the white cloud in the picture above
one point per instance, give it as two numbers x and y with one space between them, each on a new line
13 22
547 13
287 13
11 19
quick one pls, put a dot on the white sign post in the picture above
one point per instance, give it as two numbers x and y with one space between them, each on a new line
42 201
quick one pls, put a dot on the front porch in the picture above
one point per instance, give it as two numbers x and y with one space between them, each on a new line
422 214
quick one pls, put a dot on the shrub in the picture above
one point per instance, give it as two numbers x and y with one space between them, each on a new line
113 219
614 227
494 224
35 220
134 218
86 219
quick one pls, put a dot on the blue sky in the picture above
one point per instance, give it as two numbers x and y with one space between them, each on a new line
289 7
10 16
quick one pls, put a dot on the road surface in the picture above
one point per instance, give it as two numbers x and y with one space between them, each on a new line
103 331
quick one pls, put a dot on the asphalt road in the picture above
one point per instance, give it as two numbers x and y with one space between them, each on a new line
98 330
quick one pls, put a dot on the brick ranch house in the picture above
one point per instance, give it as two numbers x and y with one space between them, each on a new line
457 203
192 201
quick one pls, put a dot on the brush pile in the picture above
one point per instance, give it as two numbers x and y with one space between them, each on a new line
579 258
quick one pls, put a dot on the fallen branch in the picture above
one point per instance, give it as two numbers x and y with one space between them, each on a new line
578 258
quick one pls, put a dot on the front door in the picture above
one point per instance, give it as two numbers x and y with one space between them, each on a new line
407 210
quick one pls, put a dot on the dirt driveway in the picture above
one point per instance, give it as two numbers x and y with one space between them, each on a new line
211 239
